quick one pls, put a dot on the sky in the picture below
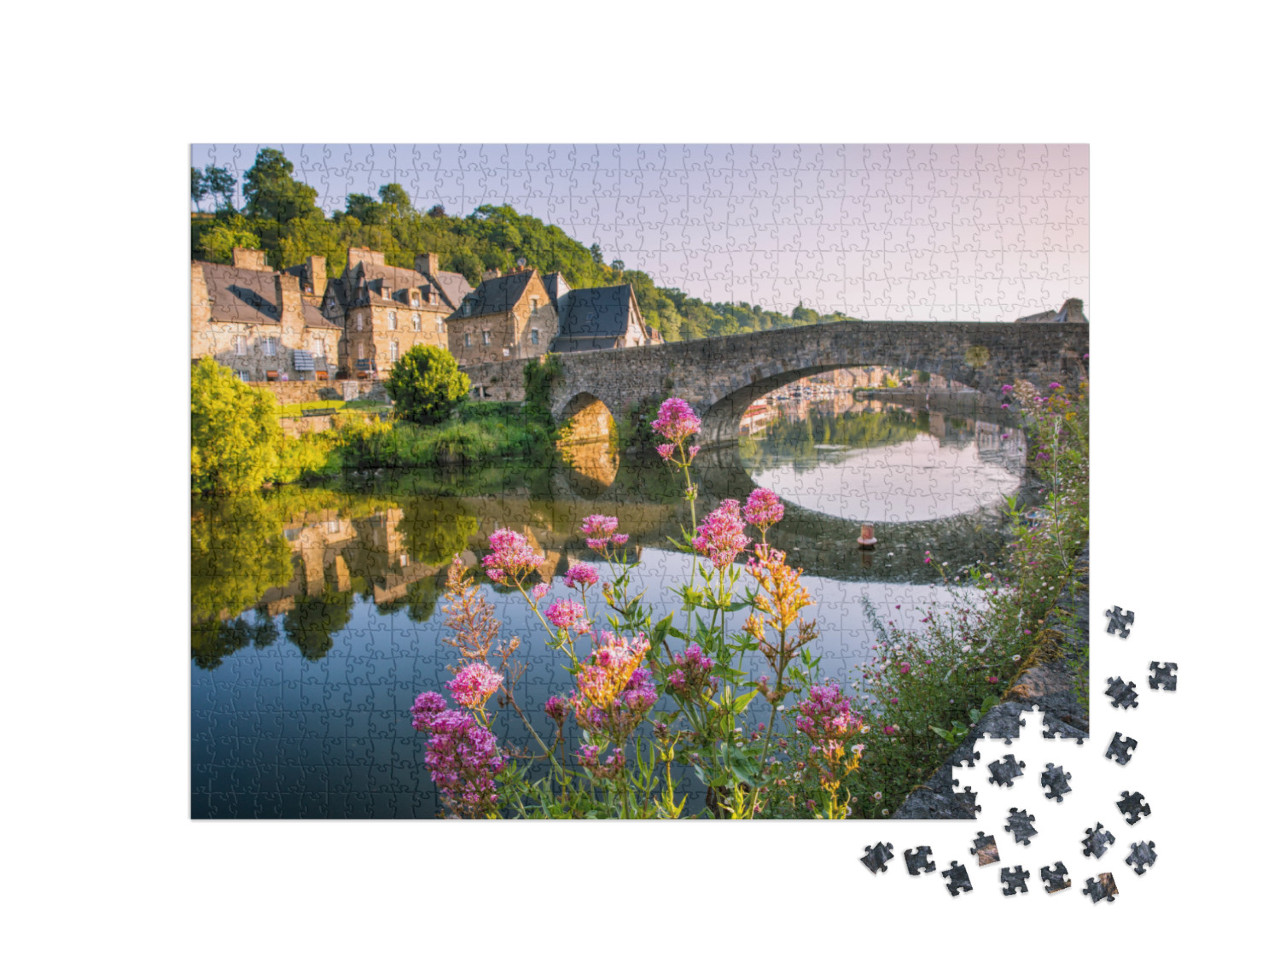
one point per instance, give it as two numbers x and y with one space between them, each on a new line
881 232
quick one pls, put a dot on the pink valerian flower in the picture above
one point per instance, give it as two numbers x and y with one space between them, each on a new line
1006 388
609 668
763 509
620 539
581 574
666 451
905 667
511 557
720 538
628 710
827 719
563 613
462 757
540 591
691 671
694 449
607 767
557 708
676 421
474 684
427 705
599 530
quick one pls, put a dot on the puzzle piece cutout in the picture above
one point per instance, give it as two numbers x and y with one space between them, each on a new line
1004 772
1019 823
918 860
1056 781
1096 841
1104 887
1141 856
958 879
1165 676
1120 621
1121 749
1134 806
1122 694
1014 880
878 857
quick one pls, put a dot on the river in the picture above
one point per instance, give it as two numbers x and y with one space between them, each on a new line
315 616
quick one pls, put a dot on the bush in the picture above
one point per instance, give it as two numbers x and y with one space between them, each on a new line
426 385
235 437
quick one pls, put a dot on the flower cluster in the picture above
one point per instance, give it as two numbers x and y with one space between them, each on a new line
610 767
676 422
601 530
763 508
691 671
462 756
829 721
609 669
511 557
581 574
474 684
557 708
619 720
565 613
720 538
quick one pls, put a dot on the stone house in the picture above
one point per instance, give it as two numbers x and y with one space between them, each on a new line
596 319
509 316
256 321
385 310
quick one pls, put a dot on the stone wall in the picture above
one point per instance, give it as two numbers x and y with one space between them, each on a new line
497 382
296 392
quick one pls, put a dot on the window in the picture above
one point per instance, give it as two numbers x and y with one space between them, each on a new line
244 375
466 340
533 305
417 322
241 346
440 325
413 299
466 309
391 320
395 351
317 347
432 297
533 336
269 347
359 322
335 525
360 351
485 337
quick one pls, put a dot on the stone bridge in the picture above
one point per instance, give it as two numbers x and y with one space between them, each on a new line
721 377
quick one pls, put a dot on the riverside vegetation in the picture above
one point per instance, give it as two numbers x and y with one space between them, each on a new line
651 686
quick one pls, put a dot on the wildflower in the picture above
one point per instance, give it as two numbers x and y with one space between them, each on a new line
473 685
1054 385
890 730
1006 388
557 708
877 796
905 667
992 679
1017 658
763 509
610 668
676 421
427 705
694 449
511 557
563 613
540 591
580 574
691 671
666 451
620 539
721 537
600 530
463 758
781 596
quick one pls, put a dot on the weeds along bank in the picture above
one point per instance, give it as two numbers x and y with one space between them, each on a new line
648 687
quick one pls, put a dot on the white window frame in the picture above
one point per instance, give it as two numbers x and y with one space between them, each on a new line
269 344
466 339
533 335
413 299
391 320
417 322
533 305
395 351
359 322
242 346
360 351
439 325
485 337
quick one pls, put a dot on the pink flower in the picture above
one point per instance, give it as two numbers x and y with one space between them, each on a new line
905 667
720 538
581 574
620 539
539 591
1010 387
763 508
463 757
563 613
694 449
666 451
473 685
510 558
599 530
557 708
676 420
992 679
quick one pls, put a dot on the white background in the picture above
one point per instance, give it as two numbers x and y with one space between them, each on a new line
102 103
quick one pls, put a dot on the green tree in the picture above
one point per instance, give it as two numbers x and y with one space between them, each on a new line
217 240
219 182
237 553
436 211
198 189
426 385
235 436
396 197
271 192
364 209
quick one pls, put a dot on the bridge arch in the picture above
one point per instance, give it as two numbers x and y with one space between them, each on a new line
585 420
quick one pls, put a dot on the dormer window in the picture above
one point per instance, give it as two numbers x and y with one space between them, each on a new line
417 322
391 320
466 309
432 297
413 299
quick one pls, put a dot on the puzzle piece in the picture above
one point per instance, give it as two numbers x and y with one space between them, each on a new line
1015 880
1120 622
1121 748
1122 693
1165 676
984 847
877 857
1055 879
1005 771
1056 781
1134 806
1096 841
967 799
1004 722
1141 856
918 860
958 878
1104 887
1019 823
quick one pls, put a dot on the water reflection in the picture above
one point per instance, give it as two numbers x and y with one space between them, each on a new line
315 614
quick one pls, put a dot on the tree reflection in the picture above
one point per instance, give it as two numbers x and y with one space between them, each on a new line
313 620
237 554
435 529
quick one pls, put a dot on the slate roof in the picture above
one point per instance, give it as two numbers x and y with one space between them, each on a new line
592 318
498 295
396 281
454 286
249 297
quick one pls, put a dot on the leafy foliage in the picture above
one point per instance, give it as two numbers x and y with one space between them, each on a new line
426 385
235 437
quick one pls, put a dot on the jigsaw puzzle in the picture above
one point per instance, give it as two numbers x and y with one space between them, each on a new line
1164 676
1121 693
1096 841
1133 806
1141 856
919 861
1019 823
513 392
984 847
1056 781
1120 621
1121 748
1055 878
957 879
1104 887
1014 880
877 857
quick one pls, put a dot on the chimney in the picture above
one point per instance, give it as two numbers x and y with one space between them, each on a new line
289 301
316 274
253 260
428 264
491 274
1073 308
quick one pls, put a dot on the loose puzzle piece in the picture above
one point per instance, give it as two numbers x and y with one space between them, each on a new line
959 879
1121 748
1165 676
1056 781
877 857
1055 879
1120 622
1104 887
1141 856
1015 880
1096 841
918 860
1003 773
1134 806
1019 824
1122 693
984 847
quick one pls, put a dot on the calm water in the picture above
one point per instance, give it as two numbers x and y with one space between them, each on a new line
314 612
